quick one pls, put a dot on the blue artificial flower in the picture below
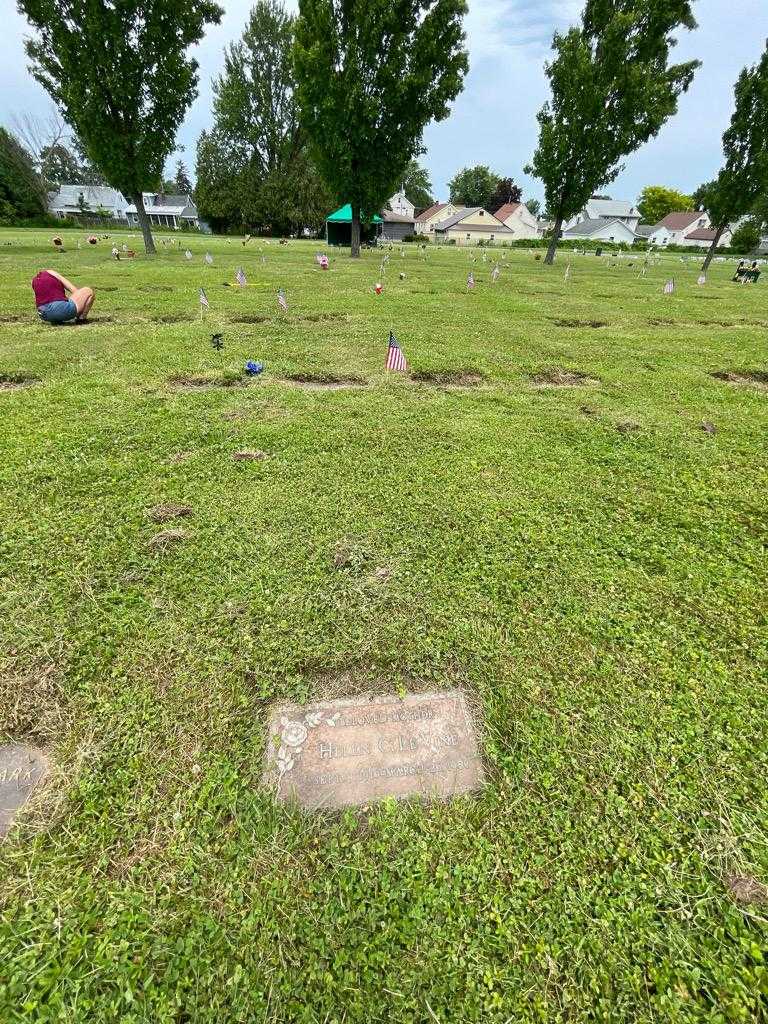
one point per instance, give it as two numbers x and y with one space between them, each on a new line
252 368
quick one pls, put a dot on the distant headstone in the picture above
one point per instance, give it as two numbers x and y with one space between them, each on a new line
343 752
21 768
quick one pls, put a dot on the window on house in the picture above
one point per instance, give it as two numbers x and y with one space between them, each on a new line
492 237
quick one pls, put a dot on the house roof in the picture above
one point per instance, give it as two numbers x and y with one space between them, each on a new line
344 216
460 214
430 212
161 199
678 221
506 211
166 211
594 224
93 195
395 218
702 235
612 208
644 230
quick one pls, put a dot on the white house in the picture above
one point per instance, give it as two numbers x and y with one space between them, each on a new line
81 200
519 219
601 230
470 225
608 210
400 203
676 229
703 238
166 211
429 218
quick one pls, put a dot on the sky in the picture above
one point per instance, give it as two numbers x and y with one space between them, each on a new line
493 121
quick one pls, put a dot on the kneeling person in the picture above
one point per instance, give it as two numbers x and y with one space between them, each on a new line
58 301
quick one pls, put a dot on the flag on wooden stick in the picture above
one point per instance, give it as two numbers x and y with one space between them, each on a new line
204 304
669 287
282 301
208 258
495 273
702 279
188 255
470 280
395 358
567 274
240 277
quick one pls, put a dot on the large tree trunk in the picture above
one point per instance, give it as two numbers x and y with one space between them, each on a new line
354 251
711 253
146 228
556 232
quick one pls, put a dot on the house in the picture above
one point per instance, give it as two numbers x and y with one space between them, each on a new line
600 230
519 219
400 203
166 211
470 225
338 227
643 232
427 219
608 210
396 226
85 200
703 238
675 228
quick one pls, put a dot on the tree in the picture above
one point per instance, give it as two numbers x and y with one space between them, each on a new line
534 206
253 169
22 193
59 166
370 77
417 186
743 180
182 184
612 90
473 186
506 192
746 237
121 76
656 202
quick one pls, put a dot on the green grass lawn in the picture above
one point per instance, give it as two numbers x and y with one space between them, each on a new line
587 562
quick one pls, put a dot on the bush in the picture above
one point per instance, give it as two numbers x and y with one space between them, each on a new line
43 221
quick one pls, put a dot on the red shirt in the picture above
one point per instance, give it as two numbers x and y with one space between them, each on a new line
47 288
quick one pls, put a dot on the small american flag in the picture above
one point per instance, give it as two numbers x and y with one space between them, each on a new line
282 301
204 300
208 258
318 258
470 280
240 277
188 255
669 287
395 358
702 279
567 274
495 274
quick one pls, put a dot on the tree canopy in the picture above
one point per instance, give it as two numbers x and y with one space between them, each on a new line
612 89
656 202
22 193
371 74
253 168
417 185
506 191
122 78
473 186
742 183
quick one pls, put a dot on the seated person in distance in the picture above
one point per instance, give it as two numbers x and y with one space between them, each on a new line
58 301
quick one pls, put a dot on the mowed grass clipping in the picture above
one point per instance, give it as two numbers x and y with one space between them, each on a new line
563 511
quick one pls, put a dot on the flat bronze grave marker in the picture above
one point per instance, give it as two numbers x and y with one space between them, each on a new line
21 768
341 752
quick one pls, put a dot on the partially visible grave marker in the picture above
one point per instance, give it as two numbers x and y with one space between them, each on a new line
342 752
21 768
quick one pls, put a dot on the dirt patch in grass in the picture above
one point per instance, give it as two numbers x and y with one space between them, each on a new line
327 380
557 378
627 427
172 318
248 319
155 288
166 539
249 455
180 456
14 381
746 889
167 511
9 318
92 321
707 427
105 288
753 378
315 318
32 704
594 324
449 378
205 381
661 321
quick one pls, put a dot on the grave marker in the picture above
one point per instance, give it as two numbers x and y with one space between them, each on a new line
21 768
344 752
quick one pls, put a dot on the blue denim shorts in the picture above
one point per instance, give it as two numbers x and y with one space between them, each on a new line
58 312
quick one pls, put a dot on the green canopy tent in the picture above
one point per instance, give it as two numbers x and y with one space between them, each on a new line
338 227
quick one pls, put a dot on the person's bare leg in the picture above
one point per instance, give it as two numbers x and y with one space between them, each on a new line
83 299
